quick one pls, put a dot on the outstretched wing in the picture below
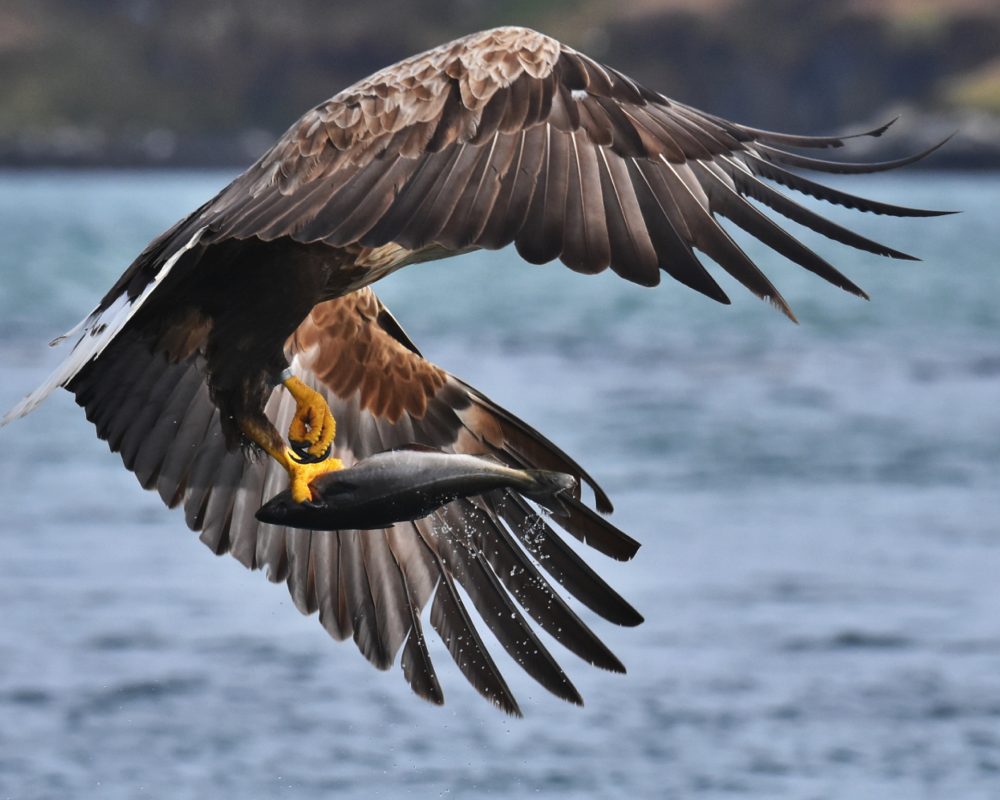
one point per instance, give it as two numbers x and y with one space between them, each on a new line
509 136
506 136
374 585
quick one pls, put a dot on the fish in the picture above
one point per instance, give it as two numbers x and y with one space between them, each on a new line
405 484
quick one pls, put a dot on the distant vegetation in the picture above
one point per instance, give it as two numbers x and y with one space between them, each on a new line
212 81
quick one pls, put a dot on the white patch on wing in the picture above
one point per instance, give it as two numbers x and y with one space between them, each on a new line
385 258
95 333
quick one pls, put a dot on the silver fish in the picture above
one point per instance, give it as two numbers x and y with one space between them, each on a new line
402 485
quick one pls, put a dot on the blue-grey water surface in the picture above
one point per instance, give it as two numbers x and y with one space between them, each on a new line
819 507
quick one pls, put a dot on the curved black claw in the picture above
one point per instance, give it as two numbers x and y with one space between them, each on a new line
302 454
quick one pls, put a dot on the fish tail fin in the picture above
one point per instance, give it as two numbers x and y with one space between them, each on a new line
547 488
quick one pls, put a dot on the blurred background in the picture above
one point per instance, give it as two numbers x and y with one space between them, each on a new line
211 82
819 504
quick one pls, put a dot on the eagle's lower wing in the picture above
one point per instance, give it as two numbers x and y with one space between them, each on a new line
374 585
509 136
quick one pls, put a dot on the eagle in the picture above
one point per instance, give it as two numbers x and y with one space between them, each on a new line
243 351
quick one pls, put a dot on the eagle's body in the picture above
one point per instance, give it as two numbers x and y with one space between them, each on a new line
503 136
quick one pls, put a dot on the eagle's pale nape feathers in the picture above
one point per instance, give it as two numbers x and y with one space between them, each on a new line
505 136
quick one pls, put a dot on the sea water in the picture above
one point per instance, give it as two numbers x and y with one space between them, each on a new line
819 507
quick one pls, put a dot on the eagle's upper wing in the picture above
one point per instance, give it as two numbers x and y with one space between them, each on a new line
509 136
373 585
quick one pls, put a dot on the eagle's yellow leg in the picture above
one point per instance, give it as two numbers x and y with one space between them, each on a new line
300 474
310 437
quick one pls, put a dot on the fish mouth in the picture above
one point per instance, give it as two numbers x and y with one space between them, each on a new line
282 510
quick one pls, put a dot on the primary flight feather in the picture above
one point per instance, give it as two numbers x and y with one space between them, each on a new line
505 136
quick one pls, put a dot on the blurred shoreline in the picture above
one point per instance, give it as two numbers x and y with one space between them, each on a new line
149 83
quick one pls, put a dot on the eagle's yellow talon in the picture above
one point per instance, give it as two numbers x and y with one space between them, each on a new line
313 428
302 475
310 436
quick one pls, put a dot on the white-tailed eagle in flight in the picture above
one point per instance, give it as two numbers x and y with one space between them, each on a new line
254 316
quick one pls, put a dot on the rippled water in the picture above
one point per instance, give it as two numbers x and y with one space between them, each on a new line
819 506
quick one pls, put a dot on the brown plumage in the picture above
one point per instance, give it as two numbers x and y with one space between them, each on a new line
505 136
